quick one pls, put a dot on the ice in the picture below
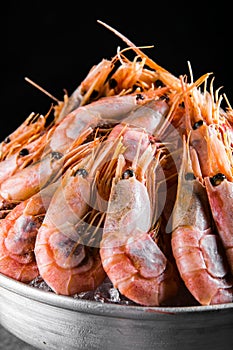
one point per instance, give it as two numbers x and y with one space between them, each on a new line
89 295
38 282
105 293
114 295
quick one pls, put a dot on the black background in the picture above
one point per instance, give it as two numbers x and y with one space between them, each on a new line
56 43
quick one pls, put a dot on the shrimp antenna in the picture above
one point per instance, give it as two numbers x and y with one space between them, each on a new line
190 71
227 101
166 76
131 44
41 89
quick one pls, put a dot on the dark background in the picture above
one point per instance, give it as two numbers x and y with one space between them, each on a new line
56 43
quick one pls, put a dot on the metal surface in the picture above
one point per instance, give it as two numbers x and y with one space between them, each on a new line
48 321
9 342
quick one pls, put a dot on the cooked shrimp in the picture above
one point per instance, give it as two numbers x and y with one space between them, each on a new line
108 110
220 194
131 258
29 130
92 83
204 126
23 156
65 261
30 180
196 247
166 77
120 76
137 129
18 232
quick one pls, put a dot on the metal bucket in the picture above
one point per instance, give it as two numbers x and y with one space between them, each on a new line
49 321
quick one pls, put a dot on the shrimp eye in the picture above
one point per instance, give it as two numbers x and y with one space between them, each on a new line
23 152
56 155
164 98
197 124
94 94
217 179
112 83
189 176
159 83
127 174
81 172
139 97
136 87
182 104
7 139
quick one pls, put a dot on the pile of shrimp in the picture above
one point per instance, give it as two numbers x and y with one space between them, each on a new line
130 180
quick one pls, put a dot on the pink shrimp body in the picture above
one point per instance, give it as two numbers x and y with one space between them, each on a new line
139 131
29 130
18 231
196 248
30 180
208 146
67 266
23 155
133 139
205 129
131 258
220 194
106 110
93 84
65 261
136 129
150 116
8 166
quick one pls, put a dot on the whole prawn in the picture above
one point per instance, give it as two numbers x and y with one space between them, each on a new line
196 247
220 194
204 125
219 186
211 153
131 258
66 261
